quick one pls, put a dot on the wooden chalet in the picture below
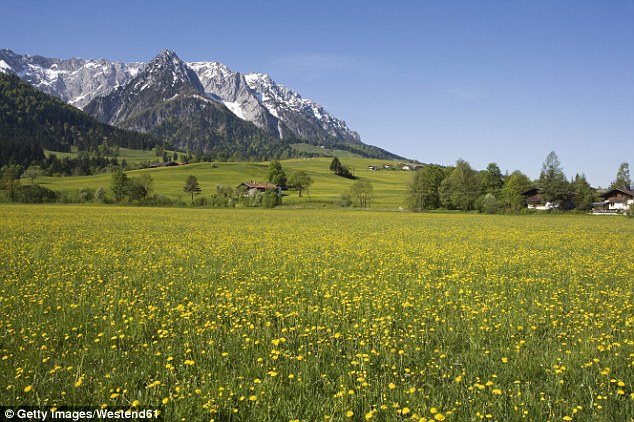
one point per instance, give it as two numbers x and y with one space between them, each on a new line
535 201
254 187
615 200
164 164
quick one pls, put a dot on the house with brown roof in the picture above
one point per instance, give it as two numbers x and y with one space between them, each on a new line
535 200
254 187
616 200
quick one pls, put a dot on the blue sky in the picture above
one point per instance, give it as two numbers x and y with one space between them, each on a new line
486 81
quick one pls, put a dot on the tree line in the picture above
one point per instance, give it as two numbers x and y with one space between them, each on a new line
463 188
458 187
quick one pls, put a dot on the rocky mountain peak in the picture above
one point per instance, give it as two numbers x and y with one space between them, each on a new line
253 97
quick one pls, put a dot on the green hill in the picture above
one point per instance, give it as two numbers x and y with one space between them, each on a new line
389 185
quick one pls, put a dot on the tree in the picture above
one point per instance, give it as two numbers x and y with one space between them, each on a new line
584 194
514 185
552 179
136 190
362 190
335 165
192 187
492 179
300 181
100 194
225 196
119 185
32 173
623 179
423 188
275 173
339 169
9 180
461 188
147 182
490 204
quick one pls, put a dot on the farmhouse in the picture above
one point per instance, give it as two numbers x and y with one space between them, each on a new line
536 201
616 200
254 187
165 164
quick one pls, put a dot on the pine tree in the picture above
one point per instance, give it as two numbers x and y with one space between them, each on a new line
192 187
623 179
552 179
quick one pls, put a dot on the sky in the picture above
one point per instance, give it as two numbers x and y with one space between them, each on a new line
436 81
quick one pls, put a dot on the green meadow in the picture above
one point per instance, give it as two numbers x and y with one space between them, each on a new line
317 314
389 185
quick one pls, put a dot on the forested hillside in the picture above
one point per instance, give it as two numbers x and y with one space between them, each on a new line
31 121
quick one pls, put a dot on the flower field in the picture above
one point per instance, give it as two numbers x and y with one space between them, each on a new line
314 315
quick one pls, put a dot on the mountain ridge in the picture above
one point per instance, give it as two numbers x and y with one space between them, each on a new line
100 86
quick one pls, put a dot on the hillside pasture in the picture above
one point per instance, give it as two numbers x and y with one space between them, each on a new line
389 185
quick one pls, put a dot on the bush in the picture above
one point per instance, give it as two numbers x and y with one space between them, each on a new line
344 200
86 194
199 202
34 194
160 200
270 199
100 195
225 196
489 204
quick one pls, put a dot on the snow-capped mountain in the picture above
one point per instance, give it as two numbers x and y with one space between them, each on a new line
287 105
231 88
76 81
164 78
254 97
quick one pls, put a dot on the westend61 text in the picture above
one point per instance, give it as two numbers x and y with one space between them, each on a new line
77 415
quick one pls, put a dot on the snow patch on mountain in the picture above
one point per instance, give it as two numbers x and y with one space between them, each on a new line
253 97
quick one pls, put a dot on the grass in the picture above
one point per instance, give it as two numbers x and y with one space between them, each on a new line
132 156
280 315
389 185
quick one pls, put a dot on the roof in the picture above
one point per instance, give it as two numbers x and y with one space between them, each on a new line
256 185
531 192
165 164
622 190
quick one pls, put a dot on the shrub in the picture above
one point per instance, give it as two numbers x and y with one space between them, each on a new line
344 200
34 194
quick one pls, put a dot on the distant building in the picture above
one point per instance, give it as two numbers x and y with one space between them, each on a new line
535 201
164 164
615 200
254 187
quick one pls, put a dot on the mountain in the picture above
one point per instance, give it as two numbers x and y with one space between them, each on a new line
32 120
76 81
305 118
231 88
167 99
130 95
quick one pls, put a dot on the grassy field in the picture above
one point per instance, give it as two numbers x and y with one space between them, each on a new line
132 156
389 185
309 315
